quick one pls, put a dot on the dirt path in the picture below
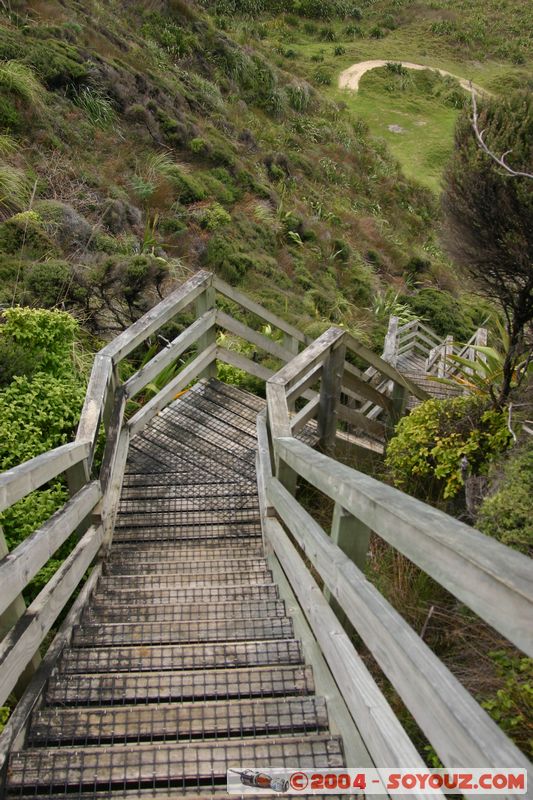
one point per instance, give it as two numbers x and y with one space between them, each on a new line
349 79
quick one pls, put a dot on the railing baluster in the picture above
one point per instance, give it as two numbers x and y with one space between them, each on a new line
206 302
330 391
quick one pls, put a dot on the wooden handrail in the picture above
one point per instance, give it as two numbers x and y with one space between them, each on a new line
460 730
19 566
158 316
19 481
254 308
493 580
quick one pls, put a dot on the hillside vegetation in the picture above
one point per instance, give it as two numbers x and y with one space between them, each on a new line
141 142
489 43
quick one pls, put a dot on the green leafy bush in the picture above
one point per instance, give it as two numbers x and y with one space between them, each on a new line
25 232
49 336
47 281
424 456
57 63
512 704
443 313
506 514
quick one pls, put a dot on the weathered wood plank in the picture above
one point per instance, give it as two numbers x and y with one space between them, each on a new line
250 305
107 612
23 640
383 366
316 353
278 411
241 362
495 581
329 402
95 400
364 390
167 394
206 302
309 411
360 421
158 316
19 566
263 468
254 337
386 740
170 353
16 725
301 386
181 632
19 481
459 729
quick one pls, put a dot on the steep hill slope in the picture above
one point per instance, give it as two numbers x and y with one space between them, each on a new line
140 141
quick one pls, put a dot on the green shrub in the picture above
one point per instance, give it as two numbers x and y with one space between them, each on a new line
376 32
198 145
47 281
15 188
424 456
37 413
511 705
96 106
215 217
187 186
299 96
443 313
24 232
339 50
10 117
57 63
49 336
172 38
327 35
322 76
506 513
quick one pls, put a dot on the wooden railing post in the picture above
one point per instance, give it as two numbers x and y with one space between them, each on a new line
353 538
9 618
399 398
390 348
330 397
205 302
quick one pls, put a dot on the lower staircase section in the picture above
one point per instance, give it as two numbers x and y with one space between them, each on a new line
185 662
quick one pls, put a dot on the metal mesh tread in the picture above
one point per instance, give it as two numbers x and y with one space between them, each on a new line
148 687
164 764
218 655
171 722
254 609
132 597
99 634
184 660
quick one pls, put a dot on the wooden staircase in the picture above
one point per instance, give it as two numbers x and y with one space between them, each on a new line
209 624
184 661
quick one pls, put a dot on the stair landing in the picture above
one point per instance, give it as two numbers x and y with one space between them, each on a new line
185 660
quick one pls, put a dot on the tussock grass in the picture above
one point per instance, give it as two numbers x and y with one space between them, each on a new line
21 80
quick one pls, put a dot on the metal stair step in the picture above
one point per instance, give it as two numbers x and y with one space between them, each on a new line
100 635
203 655
173 765
145 687
178 722
132 597
214 612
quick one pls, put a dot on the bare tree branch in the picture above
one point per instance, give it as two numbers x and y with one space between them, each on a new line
500 160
